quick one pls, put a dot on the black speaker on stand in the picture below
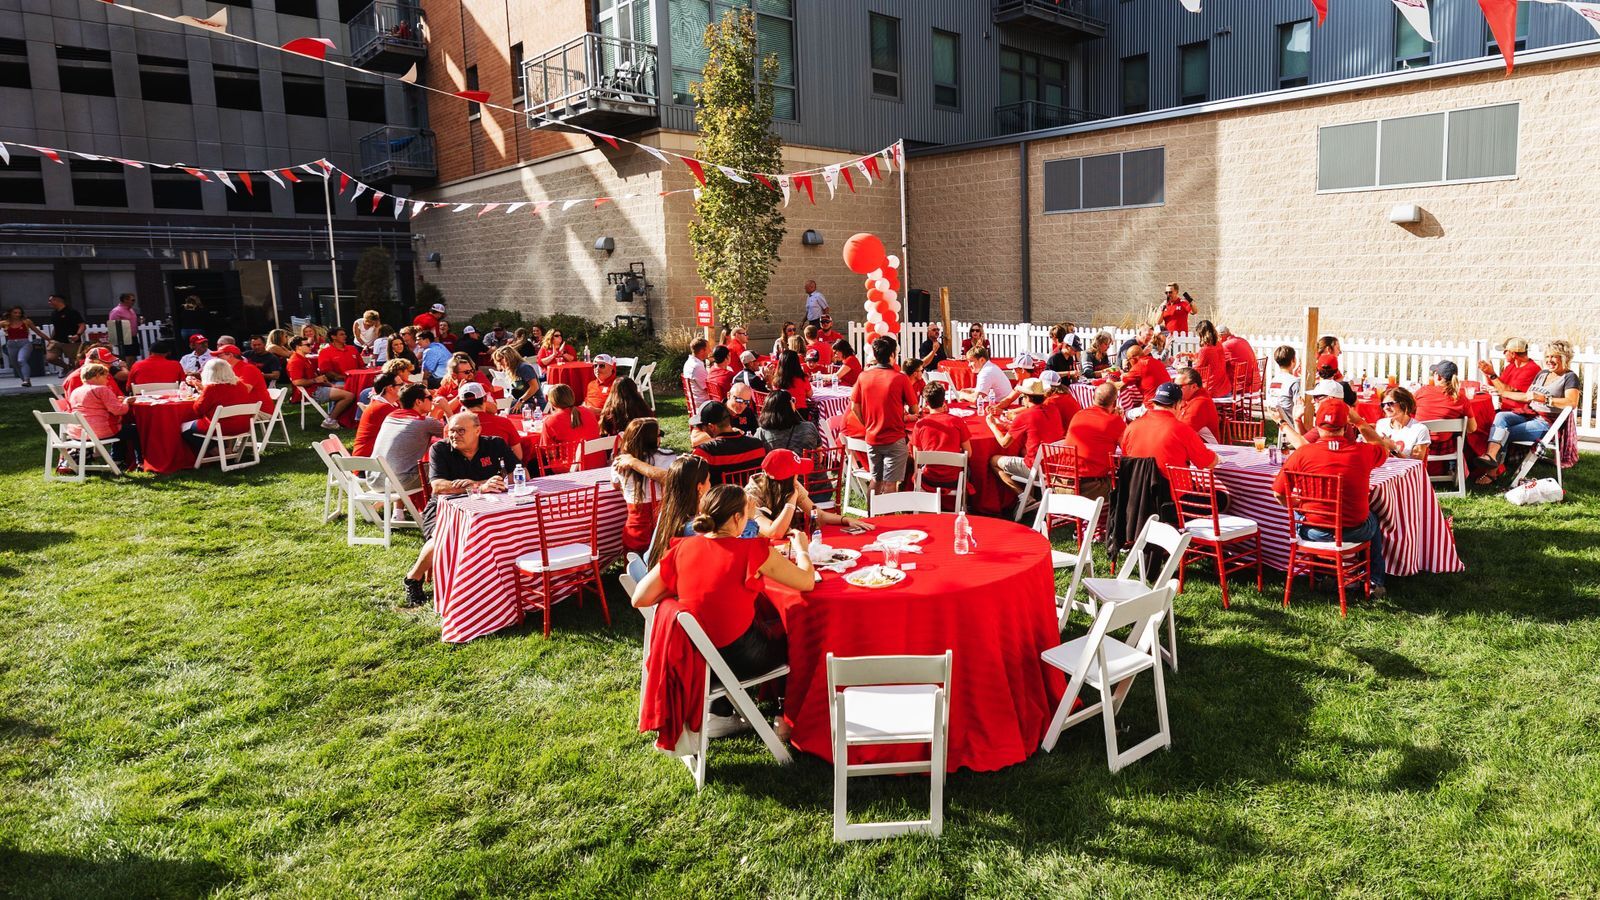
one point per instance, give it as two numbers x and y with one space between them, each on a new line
918 304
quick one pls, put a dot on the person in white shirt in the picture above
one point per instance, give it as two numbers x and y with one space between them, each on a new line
199 354
696 373
1284 385
816 304
991 380
1403 435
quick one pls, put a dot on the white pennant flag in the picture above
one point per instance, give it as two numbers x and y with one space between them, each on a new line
865 172
360 189
697 195
89 156
5 155
731 175
783 184
410 77
1191 5
1416 13
417 206
399 207
1589 11
830 174
274 176
516 206
223 177
217 22
570 204
660 157
314 171
130 163
887 159
463 207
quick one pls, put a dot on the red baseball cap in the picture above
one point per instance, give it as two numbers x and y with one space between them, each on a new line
1333 414
1328 361
196 339
232 349
102 355
782 464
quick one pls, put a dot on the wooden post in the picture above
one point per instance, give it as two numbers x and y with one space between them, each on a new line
1308 365
944 317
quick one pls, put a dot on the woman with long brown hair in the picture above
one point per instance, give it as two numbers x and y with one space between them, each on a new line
782 501
687 480
623 406
570 421
638 470
1211 361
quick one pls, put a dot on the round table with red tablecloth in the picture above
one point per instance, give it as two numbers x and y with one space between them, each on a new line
160 422
1001 694
356 381
576 375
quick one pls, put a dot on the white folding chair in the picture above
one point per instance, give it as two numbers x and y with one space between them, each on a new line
889 700
55 391
266 421
1458 477
937 377
903 502
854 477
307 399
646 388
1032 488
155 387
371 484
62 447
1547 445
633 574
335 486
626 362
629 578
1109 665
694 754
1132 580
240 447
1087 514
922 459
596 445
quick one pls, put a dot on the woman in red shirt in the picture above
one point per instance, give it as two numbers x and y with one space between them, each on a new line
555 350
717 576
792 378
569 422
736 341
219 387
849 364
1212 361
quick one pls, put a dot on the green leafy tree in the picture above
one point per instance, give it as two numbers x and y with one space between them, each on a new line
736 236
374 279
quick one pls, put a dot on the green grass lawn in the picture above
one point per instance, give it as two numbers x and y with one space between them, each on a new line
203 691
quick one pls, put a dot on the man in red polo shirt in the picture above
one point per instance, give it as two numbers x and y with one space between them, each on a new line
880 399
1517 375
385 400
719 374
1059 399
1241 358
938 430
1145 372
1093 436
1336 452
826 333
1161 435
1175 310
605 376
157 368
1197 409
1030 429
247 373
338 356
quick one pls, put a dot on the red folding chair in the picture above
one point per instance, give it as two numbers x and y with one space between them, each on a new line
827 471
557 459
568 559
1233 541
1242 433
1314 501
738 477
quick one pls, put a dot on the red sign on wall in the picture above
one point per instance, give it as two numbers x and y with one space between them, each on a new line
702 311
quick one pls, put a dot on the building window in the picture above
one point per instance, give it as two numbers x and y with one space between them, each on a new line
22 181
946 69
85 71
1524 8
1437 148
176 190
164 79
1410 50
306 8
474 110
98 184
257 201
14 64
687 21
517 86
365 102
1029 77
1133 179
237 87
309 197
303 95
1294 54
1136 84
885 55
1194 72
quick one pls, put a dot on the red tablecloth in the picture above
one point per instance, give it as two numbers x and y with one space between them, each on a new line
160 424
356 381
961 377
1416 536
575 374
477 540
987 494
1001 694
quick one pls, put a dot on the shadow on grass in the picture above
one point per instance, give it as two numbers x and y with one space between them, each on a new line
28 874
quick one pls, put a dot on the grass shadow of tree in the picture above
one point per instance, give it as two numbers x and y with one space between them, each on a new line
26 874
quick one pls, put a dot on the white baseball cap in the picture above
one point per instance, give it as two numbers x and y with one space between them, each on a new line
472 389
1050 377
437 307
1023 360
1327 387
604 359
469 330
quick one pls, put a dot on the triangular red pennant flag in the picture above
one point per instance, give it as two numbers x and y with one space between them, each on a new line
805 182
248 187
600 201
316 48
51 154
474 96
1322 11
610 140
1502 18
872 166
344 182
848 181
376 196
764 182
694 166
289 175
196 173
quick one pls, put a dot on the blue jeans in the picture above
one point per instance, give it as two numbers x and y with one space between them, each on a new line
1510 427
1366 531
19 357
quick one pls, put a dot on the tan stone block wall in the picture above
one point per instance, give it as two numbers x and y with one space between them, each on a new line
1244 229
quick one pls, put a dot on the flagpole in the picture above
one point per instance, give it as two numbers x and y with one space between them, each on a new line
905 264
333 263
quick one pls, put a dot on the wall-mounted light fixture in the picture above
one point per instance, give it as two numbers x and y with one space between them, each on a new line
811 238
435 258
1405 214
606 244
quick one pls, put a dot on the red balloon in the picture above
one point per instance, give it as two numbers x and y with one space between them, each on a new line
893 277
864 252
875 296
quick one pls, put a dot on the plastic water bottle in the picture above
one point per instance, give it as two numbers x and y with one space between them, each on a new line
585 352
519 480
538 414
993 399
528 417
963 534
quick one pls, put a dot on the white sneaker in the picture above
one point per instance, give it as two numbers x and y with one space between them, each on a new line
722 726
331 424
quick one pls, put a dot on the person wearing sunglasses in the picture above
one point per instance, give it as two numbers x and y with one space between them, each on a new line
605 377
463 371
735 340
1403 435
555 349
781 342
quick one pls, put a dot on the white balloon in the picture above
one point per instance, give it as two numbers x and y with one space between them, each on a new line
881 284
894 261
894 305
874 318
875 274
891 296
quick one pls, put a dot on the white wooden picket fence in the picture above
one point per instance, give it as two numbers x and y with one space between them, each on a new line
1408 361
149 333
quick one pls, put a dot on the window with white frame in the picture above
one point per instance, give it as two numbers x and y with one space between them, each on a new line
1434 148
1135 178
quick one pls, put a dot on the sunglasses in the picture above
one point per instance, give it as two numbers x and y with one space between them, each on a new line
739 400
1388 404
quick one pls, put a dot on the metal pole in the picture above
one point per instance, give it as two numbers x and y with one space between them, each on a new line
333 262
905 259
272 293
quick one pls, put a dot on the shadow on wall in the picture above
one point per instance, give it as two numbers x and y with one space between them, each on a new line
1429 227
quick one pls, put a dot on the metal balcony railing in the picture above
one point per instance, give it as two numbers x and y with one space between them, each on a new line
1075 19
396 153
1032 115
390 32
591 73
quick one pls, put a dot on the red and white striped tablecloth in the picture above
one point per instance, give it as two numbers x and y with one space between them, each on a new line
1416 537
831 401
1083 392
478 538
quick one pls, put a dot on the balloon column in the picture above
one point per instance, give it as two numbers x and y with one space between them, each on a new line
864 254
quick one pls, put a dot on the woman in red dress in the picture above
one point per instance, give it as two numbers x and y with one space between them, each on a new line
639 469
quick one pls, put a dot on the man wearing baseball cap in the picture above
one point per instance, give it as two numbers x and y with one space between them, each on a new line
199 354
1516 376
1336 452
101 356
1058 397
1161 435
428 320
748 374
471 343
474 399
605 375
1032 427
1441 398
727 450
247 373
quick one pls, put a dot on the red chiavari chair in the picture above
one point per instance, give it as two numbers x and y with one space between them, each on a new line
568 559
556 459
1314 501
1233 541
826 472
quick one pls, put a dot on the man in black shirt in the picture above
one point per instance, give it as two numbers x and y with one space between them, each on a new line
270 365
730 453
66 334
1141 337
465 462
742 408
469 343
749 374
932 349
